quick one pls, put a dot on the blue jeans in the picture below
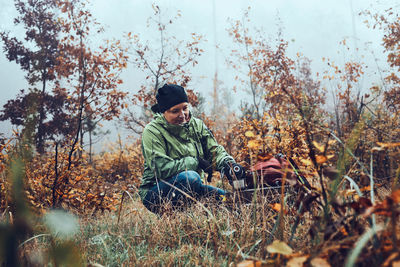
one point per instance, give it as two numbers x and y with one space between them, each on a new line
188 182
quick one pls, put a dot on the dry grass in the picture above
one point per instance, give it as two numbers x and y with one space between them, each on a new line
193 237
202 235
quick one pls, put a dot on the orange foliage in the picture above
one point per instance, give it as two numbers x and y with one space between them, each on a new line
125 163
256 139
80 188
90 75
85 188
5 149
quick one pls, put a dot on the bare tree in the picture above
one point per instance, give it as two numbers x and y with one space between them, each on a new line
167 60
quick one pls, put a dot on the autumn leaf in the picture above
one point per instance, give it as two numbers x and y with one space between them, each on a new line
318 146
331 142
377 148
277 207
319 262
297 261
350 192
388 145
249 263
249 134
344 231
253 144
365 188
322 158
306 162
279 247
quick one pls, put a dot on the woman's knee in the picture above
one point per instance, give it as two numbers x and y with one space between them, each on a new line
189 176
189 181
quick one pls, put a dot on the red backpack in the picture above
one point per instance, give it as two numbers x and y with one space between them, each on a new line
270 172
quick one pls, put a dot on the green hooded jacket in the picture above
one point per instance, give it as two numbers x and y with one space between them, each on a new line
169 149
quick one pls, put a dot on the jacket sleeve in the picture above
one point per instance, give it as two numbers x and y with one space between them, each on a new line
213 152
156 158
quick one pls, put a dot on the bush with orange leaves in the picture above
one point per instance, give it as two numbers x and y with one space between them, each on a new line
255 139
83 187
4 183
121 163
49 183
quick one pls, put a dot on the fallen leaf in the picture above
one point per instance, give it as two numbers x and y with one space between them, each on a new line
388 145
349 192
331 142
306 162
319 262
365 188
253 144
249 263
296 262
249 134
318 146
279 247
322 159
277 207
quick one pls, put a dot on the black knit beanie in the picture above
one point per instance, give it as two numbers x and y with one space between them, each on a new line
168 96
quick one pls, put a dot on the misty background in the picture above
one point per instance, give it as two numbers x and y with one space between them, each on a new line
313 28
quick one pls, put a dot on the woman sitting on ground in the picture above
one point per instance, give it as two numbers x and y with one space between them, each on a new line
177 150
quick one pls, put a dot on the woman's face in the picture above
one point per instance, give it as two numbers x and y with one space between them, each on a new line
178 114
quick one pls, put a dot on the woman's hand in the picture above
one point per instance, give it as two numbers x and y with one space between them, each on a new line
233 171
206 166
